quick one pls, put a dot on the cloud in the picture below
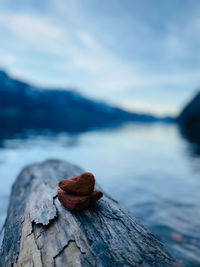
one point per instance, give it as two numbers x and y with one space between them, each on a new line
122 56
32 30
7 59
79 50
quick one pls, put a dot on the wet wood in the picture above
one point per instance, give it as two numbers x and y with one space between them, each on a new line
39 231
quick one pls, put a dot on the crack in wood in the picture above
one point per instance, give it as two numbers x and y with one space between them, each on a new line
49 234
35 239
69 244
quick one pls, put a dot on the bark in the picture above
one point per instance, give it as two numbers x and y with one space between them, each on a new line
39 231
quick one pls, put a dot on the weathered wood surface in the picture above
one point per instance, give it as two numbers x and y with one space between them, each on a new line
39 231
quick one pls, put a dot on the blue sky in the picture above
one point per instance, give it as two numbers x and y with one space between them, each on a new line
140 54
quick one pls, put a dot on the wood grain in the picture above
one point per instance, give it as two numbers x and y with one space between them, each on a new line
39 231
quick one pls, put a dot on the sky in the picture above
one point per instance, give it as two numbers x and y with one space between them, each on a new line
142 55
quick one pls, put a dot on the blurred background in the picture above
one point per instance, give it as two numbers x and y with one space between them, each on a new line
111 86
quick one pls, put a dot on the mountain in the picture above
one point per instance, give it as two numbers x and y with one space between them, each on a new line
23 106
189 119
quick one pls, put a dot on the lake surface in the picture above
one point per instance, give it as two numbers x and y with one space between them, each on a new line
149 168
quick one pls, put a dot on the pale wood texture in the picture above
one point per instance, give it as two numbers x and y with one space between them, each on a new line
39 231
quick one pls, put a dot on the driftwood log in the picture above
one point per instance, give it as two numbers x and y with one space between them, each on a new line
39 231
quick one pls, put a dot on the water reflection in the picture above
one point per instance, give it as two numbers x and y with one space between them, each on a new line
193 138
148 168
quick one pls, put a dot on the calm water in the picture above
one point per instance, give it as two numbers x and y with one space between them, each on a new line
150 169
